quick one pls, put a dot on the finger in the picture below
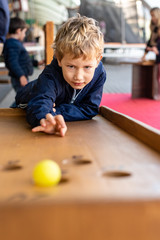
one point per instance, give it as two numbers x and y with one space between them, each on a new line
63 131
60 120
38 129
50 118
61 125
43 122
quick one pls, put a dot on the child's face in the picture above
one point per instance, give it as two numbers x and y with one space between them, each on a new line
78 72
153 18
21 34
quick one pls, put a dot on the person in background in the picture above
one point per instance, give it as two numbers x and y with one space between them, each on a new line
16 57
4 22
71 87
154 25
156 50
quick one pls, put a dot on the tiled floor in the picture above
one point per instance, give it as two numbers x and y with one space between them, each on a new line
119 78
9 99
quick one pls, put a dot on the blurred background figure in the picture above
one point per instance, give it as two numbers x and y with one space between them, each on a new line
156 50
4 22
16 57
154 25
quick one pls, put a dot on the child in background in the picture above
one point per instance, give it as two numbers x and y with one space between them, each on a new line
71 87
16 57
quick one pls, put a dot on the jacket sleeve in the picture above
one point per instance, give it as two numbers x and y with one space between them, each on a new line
12 63
87 107
42 101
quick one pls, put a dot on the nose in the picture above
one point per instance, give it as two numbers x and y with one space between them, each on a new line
78 74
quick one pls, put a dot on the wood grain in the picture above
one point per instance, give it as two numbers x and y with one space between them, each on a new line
90 204
49 37
143 132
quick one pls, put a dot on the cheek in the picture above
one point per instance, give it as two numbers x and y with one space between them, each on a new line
66 74
89 76
92 73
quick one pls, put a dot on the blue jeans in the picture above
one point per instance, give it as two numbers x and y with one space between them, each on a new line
17 86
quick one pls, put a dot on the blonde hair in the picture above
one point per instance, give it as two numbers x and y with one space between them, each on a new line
79 36
156 12
153 26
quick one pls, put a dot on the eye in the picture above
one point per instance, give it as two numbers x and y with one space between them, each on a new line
88 67
70 66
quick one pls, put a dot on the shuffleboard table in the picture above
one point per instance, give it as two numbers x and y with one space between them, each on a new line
110 186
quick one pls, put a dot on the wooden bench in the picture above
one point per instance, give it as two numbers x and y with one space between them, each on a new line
144 80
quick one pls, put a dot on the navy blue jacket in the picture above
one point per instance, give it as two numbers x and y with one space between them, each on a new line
4 19
51 88
17 59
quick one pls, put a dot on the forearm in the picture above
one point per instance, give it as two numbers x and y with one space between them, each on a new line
34 113
72 112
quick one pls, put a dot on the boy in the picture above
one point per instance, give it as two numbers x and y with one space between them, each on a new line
16 57
70 88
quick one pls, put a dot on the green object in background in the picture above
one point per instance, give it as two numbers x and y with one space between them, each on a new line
30 21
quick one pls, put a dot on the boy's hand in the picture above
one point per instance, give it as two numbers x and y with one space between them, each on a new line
52 125
23 81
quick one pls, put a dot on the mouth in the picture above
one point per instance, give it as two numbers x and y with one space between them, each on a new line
78 83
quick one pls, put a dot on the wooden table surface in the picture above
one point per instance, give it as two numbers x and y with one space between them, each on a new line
110 187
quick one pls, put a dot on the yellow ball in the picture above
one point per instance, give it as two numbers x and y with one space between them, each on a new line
46 173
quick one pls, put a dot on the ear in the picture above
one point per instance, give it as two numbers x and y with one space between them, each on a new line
98 60
59 63
18 30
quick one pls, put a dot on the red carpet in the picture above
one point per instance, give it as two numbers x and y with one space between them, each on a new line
143 109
